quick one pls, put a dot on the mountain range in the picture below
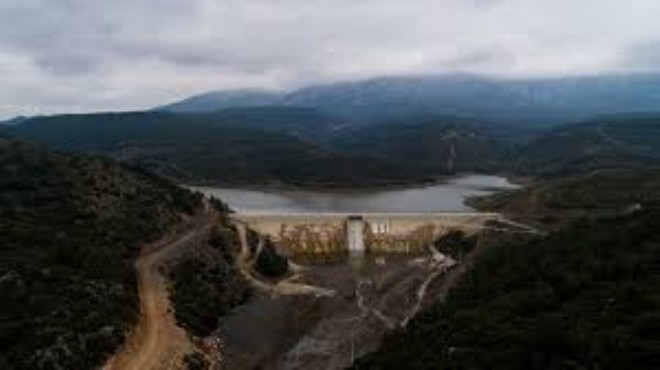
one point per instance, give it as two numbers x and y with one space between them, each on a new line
303 147
252 146
380 131
74 223
535 102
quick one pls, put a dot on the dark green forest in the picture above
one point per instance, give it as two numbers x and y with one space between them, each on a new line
440 145
269 263
597 193
216 148
71 228
622 141
206 283
305 147
455 244
584 297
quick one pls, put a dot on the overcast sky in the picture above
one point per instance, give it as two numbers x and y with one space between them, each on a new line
86 55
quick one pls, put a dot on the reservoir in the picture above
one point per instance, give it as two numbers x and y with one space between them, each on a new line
448 196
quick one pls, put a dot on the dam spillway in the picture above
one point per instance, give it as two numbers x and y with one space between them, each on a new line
299 234
355 235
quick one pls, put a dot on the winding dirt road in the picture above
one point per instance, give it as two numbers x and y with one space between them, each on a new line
157 342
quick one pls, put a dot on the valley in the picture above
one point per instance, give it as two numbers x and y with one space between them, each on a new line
338 304
318 331
156 341
446 195
277 236
307 148
329 185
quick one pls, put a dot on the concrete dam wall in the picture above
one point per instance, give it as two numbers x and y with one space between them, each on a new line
304 234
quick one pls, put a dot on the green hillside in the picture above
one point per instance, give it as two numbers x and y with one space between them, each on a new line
450 144
596 193
441 144
196 148
621 141
300 146
305 123
71 228
587 297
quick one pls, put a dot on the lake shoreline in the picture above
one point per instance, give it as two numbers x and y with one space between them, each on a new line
448 195
351 189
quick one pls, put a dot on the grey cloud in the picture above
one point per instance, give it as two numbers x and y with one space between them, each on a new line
127 54
643 56
68 64
487 59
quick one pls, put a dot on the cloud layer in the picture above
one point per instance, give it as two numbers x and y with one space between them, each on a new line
85 55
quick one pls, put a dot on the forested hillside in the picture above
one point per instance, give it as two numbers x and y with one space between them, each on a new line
441 144
206 283
298 146
595 193
71 228
201 148
608 142
586 297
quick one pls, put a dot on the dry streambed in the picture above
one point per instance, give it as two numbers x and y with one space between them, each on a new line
327 331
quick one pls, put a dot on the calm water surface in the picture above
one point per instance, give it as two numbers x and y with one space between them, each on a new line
445 197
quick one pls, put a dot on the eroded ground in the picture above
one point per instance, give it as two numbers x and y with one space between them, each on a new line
327 331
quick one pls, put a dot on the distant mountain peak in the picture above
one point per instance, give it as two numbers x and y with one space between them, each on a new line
216 100
531 101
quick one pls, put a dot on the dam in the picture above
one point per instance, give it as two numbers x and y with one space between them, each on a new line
398 220
300 234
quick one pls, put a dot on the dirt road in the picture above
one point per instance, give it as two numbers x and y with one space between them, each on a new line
283 287
157 342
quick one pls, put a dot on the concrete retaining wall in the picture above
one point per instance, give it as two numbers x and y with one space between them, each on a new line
327 233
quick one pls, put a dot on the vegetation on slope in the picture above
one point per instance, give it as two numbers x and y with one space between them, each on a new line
206 283
305 123
269 263
585 297
71 227
451 144
623 141
595 193
298 146
440 144
455 244
197 148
